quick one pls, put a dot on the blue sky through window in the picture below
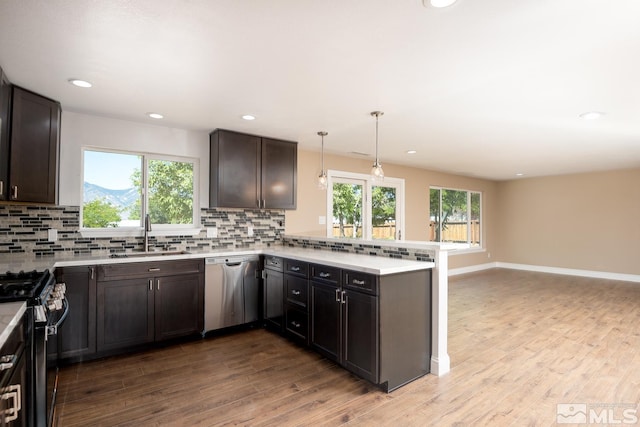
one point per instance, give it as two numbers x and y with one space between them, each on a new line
110 170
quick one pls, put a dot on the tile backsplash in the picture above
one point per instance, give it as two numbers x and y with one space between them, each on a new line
388 249
25 229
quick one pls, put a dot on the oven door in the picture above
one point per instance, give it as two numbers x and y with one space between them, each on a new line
46 369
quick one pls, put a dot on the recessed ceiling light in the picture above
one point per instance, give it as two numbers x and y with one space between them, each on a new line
440 3
249 117
591 115
411 151
80 83
155 115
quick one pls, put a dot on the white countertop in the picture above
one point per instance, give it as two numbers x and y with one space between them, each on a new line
10 316
366 263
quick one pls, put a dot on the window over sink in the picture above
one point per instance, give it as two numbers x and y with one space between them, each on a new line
120 188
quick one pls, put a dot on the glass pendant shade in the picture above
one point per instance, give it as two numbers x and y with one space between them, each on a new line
322 178
322 181
376 170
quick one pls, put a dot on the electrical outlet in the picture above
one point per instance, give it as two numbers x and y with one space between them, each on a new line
212 232
322 220
488 254
250 231
52 235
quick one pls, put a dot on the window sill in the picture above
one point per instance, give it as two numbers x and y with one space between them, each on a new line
138 232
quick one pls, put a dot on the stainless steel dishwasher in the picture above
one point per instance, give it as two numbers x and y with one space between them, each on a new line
231 291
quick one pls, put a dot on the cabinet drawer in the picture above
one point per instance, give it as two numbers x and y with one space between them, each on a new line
325 274
273 263
299 268
362 282
146 269
297 323
297 290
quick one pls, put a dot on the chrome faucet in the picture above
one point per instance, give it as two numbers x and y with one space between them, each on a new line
147 229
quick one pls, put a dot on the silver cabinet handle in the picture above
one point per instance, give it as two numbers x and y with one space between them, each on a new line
295 268
12 392
337 295
324 275
92 271
343 301
158 284
357 282
14 192
1 187
7 361
295 292
154 269
150 284
295 325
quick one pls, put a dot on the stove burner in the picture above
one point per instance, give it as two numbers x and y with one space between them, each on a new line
21 285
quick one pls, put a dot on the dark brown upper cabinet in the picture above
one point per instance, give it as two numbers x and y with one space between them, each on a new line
249 171
33 148
5 108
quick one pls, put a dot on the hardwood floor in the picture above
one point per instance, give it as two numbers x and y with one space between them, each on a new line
520 344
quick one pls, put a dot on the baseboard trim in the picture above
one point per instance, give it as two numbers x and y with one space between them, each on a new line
545 269
472 268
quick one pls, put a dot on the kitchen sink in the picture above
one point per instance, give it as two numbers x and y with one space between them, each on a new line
147 254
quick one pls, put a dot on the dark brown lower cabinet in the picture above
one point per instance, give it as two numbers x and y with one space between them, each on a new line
137 305
273 294
125 313
344 328
326 325
77 334
177 306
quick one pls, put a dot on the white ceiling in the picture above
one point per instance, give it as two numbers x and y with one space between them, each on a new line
485 88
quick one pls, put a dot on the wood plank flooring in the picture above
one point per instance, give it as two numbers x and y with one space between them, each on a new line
520 344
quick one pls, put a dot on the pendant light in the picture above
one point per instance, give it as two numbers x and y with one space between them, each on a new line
376 170
322 178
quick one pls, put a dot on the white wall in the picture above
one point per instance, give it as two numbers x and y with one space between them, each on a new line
84 130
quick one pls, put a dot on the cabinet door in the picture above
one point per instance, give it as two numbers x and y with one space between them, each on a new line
5 107
234 170
296 290
125 313
33 172
279 174
325 320
273 299
360 339
179 306
297 323
15 396
77 334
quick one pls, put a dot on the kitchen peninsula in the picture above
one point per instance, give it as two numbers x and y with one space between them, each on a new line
372 258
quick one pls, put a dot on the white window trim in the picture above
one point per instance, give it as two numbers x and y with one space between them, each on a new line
471 249
158 229
341 176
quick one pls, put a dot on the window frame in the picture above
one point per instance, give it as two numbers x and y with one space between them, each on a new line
472 248
157 229
336 176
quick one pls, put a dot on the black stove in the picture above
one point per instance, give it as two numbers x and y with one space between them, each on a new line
23 286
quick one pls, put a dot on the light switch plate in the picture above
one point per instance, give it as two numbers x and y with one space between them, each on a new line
250 231
212 232
52 235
